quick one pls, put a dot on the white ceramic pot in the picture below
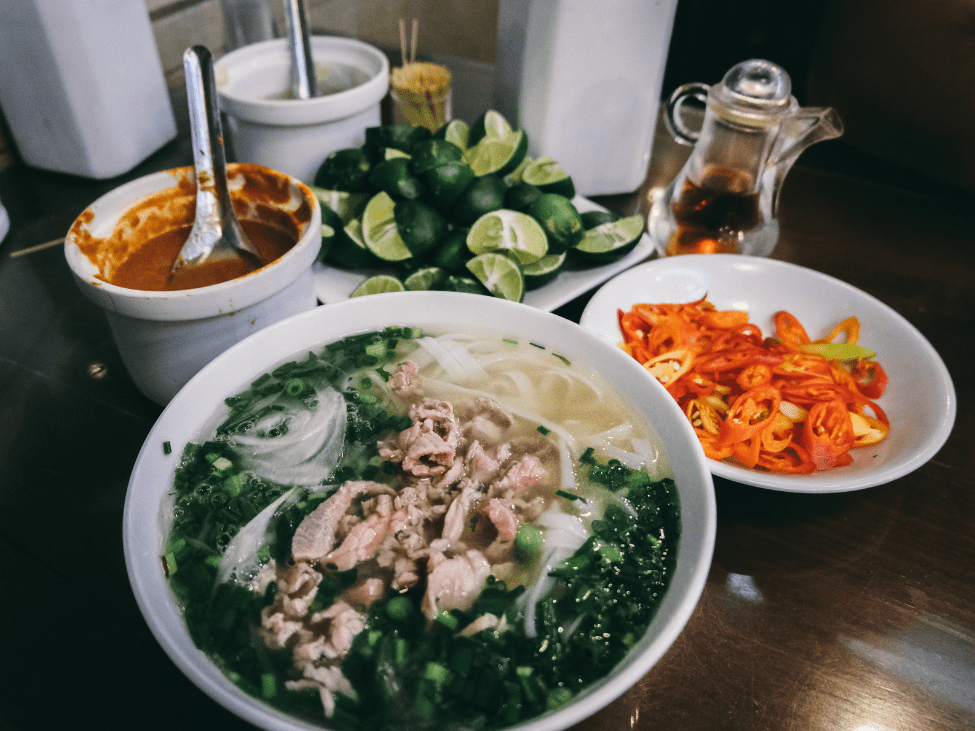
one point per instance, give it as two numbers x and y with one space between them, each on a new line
296 135
166 337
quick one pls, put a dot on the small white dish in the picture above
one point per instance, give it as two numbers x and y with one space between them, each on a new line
920 398
296 135
333 284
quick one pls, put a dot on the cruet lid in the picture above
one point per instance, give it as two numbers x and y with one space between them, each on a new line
753 91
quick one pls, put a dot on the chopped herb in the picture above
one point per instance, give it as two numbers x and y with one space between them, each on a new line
544 430
540 347
167 448
569 495
563 359
510 341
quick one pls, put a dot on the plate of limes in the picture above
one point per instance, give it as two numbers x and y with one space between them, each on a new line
464 209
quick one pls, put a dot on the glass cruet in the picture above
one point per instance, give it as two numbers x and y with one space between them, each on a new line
725 199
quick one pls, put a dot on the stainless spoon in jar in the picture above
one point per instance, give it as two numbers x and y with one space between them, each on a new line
216 232
304 84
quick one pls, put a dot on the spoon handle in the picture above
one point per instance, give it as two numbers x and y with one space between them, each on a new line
214 211
304 84
205 130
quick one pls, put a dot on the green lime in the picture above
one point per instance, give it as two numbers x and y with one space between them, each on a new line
400 136
521 195
395 178
455 283
541 272
560 219
515 176
500 275
419 225
456 131
331 226
546 174
349 250
482 196
379 229
431 153
499 155
447 182
512 232
452 253
346 170
611 240
342 202
489 124
426 278
591 219
378 284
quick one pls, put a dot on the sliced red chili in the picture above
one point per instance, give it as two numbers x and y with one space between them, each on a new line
789 330
827 434
871 378
750 413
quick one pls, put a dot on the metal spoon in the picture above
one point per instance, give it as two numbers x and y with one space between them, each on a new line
304 84
216 232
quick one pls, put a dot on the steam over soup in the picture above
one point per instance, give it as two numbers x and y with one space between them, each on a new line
422 531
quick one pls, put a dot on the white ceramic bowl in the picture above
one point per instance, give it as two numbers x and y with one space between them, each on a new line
166 337
920 398
296 135
194 406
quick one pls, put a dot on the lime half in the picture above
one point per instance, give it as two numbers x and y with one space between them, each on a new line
456 131
509 231
499 155
379 229
490 124
342 202
500 275
546 174
541 272
425 278
611 241
378 284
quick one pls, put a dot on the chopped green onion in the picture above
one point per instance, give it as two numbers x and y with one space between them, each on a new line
544 430
295 387
222 463
233 485
569 495
167 448
399 608
510 341
269 685
540 347
448 620
528 542
563 359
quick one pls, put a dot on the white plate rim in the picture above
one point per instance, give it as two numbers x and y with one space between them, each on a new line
334 285
605 299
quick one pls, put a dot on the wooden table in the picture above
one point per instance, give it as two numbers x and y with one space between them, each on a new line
845 612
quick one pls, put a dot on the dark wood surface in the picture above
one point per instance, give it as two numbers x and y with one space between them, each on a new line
848 612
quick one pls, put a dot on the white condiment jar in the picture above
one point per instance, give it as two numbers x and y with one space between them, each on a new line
82 86
584 79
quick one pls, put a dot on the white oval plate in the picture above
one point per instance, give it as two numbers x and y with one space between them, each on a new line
334 285
920 398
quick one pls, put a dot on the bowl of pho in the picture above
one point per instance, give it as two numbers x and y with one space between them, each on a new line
419 510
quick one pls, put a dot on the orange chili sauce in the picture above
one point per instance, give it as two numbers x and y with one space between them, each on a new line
148 267
154 229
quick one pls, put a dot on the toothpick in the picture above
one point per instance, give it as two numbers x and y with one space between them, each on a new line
402 40
38 247
416 29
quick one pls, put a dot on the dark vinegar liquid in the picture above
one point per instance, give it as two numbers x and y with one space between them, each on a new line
712 216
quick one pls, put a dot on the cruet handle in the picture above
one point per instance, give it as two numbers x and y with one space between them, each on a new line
672 119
